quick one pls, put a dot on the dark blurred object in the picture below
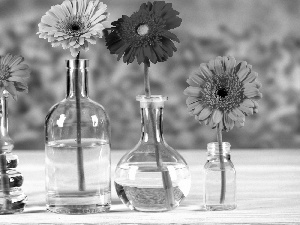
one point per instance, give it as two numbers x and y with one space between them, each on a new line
260 32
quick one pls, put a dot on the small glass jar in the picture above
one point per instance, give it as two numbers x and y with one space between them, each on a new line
219 178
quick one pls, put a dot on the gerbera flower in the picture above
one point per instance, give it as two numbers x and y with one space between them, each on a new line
73 24
223 93
13 73
145 34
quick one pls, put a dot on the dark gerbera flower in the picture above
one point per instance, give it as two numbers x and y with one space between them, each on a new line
145 34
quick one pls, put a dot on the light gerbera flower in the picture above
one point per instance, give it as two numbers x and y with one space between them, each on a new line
74 24
145 34
223 93
13 74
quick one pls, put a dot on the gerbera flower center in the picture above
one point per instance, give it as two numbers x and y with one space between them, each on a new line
222 92
143 29
73 26
4 72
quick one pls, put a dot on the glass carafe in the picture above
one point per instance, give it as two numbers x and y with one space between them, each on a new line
140 181
214 179
12 198
77 145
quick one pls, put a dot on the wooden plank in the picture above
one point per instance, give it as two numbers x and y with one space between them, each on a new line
268 193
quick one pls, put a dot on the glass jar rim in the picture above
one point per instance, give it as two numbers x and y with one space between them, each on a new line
153 98
213 147
77 63
5 93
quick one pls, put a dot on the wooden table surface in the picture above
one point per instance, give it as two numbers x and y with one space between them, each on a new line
268 183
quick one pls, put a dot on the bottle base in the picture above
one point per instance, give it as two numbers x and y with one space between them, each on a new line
11 211
152 209
148 199
219 207
15 204
78 209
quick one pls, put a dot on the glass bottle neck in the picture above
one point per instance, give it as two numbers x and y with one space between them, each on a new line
77 78
151 124
3 113
213 151
151 119
6 143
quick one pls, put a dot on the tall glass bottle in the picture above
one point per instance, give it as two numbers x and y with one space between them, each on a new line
12 198
213 179
77 145
138 177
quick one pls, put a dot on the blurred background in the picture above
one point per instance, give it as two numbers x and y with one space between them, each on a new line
265 33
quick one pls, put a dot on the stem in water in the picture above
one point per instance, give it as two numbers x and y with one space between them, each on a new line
222 167
80 168
166 178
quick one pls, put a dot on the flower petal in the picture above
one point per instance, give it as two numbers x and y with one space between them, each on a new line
228 122
239 124
211 65
7 58
49 20
221 125
195 81
193 105
217 116
242 74
18 79
210 122
191 100
21 66
171 36
58 12
252 92
205 71
204 113
198 109
238 113
153 55
229 64
15 61
21 73
12 90
257 84
246 110
251 77
74 51
248 103
193 91
99 12
232 116
240 66
255 108
218 67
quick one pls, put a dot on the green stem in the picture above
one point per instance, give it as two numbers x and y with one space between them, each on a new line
166 178
222 167
80 168
147 81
